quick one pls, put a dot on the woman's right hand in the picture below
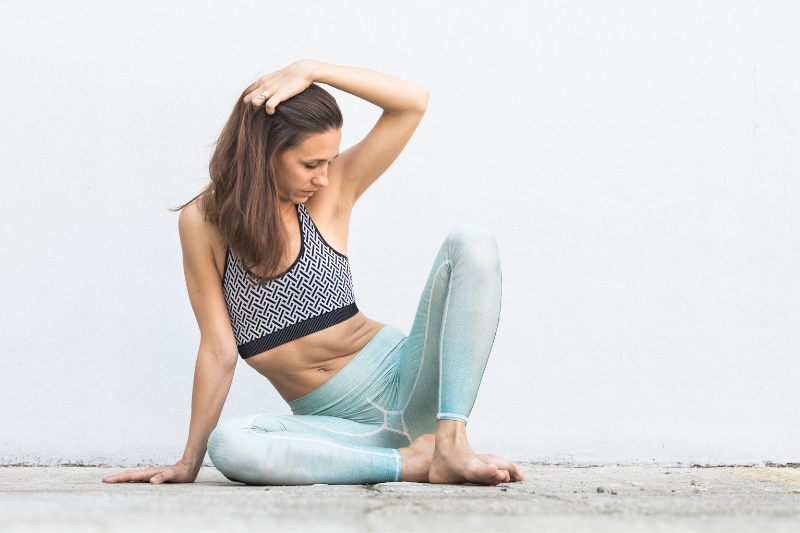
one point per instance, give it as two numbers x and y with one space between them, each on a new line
177 473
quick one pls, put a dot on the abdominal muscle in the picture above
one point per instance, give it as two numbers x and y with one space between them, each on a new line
305 364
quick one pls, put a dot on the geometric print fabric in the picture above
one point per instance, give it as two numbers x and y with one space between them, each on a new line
316 292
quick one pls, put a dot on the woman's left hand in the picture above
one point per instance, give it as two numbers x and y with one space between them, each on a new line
281 85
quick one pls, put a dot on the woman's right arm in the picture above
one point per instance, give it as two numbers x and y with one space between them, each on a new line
216 357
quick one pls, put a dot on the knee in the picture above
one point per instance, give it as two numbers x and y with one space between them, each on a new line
223 444
223 436
475 245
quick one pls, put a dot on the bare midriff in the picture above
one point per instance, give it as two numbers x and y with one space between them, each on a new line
305 364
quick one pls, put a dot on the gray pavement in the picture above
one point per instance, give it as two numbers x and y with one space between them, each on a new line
550 499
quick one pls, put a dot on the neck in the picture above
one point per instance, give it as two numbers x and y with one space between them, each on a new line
287 209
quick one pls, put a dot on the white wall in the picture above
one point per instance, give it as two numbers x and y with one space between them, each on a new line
637 162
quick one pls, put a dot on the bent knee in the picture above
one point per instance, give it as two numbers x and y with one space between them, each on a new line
237 451
224 443
475 244
226 432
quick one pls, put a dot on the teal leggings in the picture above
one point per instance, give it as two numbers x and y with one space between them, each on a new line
348 431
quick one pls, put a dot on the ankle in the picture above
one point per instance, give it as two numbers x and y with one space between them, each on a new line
415 466
450 433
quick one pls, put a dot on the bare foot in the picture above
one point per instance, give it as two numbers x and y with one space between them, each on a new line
417 459
514 470
455 462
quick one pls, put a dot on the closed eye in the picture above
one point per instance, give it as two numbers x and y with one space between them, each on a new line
319 161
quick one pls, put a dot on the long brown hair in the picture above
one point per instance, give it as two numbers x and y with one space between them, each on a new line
242 197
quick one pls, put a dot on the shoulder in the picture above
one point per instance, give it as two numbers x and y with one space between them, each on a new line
192 218
196 232
192 222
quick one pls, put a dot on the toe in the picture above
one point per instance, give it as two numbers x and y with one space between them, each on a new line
514 470
487 471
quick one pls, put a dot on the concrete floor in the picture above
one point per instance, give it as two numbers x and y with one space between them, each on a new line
550 499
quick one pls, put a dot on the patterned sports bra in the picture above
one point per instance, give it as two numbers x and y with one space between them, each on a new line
316 292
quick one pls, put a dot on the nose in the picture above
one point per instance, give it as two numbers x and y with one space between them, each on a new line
320 180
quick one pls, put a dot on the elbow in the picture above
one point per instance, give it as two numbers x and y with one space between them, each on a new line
424 96
225 357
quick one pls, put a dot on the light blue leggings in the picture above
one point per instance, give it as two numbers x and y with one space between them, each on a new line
348 431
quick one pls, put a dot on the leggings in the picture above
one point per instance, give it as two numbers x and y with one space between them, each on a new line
348 431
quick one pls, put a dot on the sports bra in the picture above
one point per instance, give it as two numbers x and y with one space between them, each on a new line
315 293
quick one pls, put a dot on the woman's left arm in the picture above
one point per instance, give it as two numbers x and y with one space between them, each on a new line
391 94
403 103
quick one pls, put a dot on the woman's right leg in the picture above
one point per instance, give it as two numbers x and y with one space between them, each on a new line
301 450
444 357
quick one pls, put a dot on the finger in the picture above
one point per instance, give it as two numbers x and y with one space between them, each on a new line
121 478
111 478
136 475
271 104
252 91
255 98
169 474
159 478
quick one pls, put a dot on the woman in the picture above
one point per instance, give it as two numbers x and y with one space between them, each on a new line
265 259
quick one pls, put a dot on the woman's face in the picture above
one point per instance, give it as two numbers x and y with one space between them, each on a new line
305 167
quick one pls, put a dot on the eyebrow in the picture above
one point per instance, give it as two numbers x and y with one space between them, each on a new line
319 160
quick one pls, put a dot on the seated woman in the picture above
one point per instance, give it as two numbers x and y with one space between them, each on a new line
265 259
